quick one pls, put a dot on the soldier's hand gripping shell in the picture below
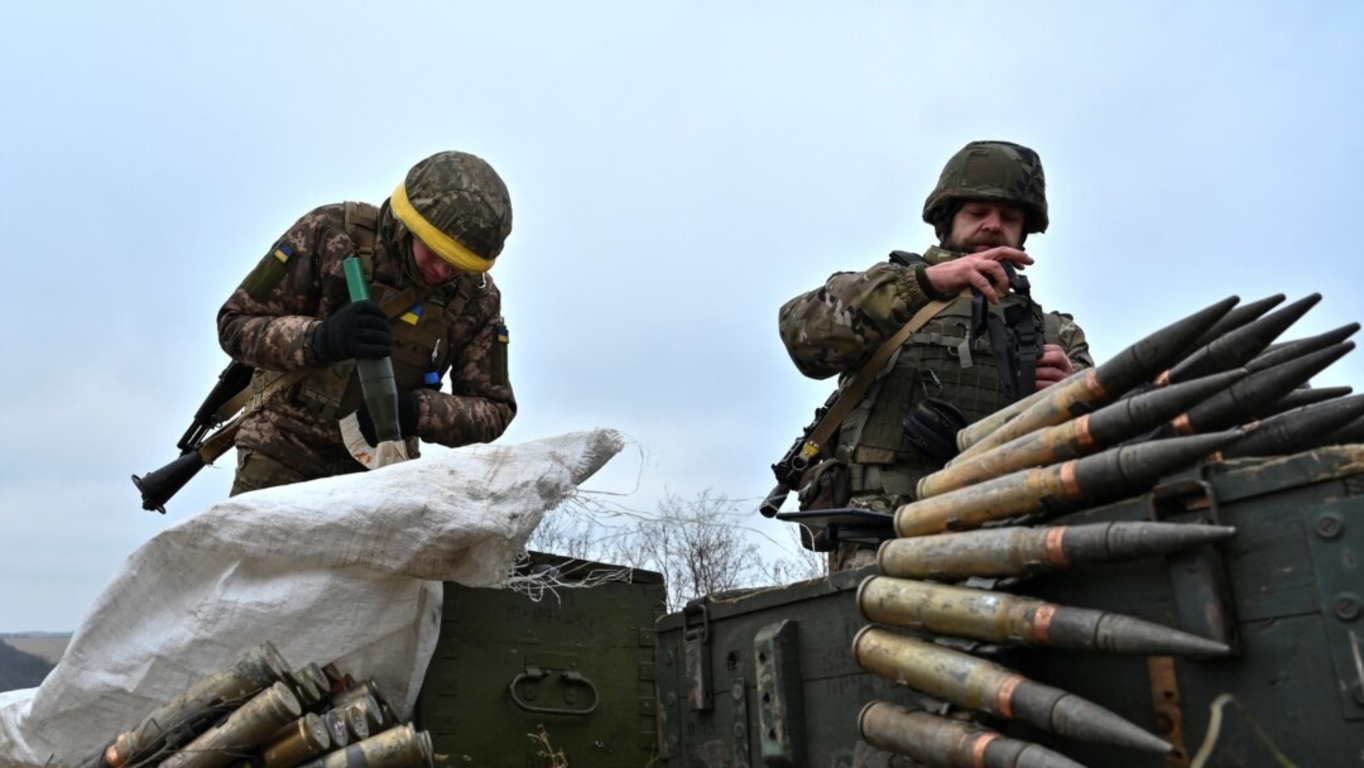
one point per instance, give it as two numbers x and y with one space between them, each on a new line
358 330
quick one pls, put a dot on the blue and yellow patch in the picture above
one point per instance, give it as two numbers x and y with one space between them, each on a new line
502 335
412 316
283 253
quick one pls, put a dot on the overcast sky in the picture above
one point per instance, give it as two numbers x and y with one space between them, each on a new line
678 171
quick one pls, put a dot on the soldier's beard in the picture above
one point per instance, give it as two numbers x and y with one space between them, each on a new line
980 241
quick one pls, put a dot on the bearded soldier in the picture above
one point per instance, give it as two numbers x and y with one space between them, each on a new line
988 345
435 311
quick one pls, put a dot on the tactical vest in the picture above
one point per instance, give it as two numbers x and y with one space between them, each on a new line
940 360
420 329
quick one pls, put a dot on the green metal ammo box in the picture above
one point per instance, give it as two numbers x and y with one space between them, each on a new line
766 678
515 682
1287 593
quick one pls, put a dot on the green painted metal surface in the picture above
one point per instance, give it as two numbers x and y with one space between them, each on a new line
577 666
775 670
1286 593
1281 587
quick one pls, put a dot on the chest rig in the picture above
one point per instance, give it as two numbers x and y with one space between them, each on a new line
967 355
421 323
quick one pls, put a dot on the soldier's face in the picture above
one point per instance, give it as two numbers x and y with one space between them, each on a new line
434 270
980 225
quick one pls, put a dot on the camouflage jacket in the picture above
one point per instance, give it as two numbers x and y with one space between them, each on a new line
833 329
272 334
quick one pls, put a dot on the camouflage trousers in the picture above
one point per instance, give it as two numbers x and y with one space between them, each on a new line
846 556
255 471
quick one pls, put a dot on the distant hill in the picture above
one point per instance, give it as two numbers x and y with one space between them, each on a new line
44 645
19 669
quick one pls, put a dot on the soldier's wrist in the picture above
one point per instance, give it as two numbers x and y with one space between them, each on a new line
316 350
926 285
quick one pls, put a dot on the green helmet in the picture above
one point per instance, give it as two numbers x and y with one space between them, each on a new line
457 204
992 170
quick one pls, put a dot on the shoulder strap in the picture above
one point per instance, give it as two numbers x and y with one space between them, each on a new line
852 394
242 404
362 226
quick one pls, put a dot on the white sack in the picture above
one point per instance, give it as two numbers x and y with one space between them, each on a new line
344 569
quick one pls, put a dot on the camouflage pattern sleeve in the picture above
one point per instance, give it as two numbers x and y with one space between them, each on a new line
834 328
266 321
481 405
1073 341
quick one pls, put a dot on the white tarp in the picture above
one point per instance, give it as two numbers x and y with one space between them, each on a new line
345 569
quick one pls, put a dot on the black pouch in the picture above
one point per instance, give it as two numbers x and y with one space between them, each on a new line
932 426
826 485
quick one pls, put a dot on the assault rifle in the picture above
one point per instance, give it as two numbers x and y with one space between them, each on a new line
802 453
197 447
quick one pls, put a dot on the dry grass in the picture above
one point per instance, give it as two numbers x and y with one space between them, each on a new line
555 757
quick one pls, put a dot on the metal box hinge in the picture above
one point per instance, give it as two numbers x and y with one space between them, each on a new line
781 708
1198 577
696 643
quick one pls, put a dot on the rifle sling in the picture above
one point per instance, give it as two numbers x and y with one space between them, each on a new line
243 402
852 394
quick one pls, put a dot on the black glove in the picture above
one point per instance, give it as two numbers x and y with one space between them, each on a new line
407 418
359 329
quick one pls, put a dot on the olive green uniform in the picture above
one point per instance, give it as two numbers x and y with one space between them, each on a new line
834 329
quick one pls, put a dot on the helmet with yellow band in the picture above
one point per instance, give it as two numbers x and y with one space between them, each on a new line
458 206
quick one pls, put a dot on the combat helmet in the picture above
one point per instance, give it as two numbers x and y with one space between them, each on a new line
991 170
457 204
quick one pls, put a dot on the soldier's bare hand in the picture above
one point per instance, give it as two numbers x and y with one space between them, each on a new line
981 271
1053 366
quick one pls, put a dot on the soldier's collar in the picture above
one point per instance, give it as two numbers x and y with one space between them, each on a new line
937 254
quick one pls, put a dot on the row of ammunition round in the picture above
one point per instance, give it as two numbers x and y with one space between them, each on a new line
1211 386
260 713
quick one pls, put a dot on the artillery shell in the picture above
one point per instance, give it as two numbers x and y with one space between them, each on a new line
942 742
179 720
1297 430
336 726
1350 433
1237 317
1300 397
1000 617
249 726
1093 387
1112 474
1289 350
1086 434
1017 551
967 681
1236 348
302 739
1243 399
398 747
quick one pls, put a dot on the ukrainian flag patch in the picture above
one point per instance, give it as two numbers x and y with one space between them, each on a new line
283 253
413 315
502 335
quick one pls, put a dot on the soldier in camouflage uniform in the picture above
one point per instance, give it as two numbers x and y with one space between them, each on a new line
435 310
989 198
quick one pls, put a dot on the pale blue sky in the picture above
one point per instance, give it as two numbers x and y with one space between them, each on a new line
678 170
